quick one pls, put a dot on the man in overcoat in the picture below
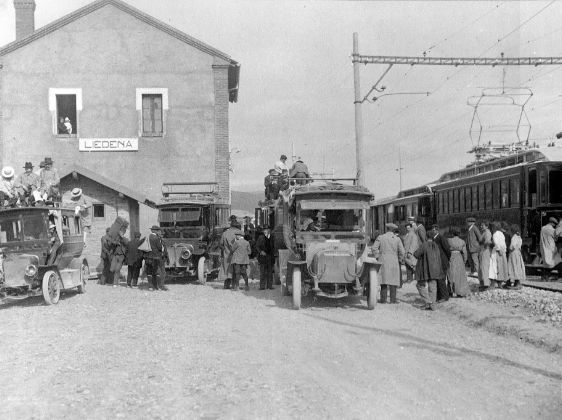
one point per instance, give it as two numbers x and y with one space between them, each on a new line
133 259
411 245
299 170
429 270
265 248
473 244
550 255
442 290
271 184
389 251
155 258
227 241
105 255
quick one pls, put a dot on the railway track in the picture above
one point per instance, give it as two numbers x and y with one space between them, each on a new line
536 283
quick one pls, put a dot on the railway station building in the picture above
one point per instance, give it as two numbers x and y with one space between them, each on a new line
146 103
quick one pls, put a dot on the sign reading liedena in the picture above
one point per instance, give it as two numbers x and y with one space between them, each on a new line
109 145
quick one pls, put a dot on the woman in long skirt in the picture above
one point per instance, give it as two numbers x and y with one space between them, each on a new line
516 265
457 265
484 256
498 257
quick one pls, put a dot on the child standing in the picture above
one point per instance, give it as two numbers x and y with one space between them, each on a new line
240 259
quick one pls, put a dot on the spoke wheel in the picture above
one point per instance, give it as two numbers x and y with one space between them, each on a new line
51 288
84 274
202 271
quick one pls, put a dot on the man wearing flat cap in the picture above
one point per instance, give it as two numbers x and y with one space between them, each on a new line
389 251
154 259
26 183
473 244
550 256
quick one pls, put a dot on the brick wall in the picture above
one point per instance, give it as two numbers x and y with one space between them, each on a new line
97 193
222 151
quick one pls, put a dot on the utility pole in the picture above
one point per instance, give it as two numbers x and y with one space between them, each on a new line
358 114
358 59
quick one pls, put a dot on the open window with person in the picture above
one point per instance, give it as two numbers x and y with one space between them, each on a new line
67 115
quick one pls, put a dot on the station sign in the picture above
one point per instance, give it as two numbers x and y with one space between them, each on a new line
108 145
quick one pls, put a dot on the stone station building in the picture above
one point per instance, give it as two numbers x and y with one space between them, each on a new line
147 103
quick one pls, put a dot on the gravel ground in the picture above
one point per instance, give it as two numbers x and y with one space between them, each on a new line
203 352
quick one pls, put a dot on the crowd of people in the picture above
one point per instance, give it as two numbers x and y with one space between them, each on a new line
438 264
279 178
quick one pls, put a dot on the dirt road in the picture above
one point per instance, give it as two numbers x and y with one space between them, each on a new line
203 352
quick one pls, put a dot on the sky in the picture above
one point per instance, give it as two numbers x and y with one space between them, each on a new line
297 86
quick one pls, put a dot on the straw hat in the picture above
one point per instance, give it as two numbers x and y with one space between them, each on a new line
8 172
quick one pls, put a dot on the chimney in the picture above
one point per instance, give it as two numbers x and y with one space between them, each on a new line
25 18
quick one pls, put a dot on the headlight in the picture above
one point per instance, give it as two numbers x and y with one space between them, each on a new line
185 254
31 270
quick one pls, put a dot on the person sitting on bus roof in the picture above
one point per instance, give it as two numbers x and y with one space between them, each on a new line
271 184
299 170
280 166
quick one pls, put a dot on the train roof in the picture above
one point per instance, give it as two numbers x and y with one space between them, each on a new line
383 201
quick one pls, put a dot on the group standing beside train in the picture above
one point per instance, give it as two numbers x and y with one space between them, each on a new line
438 264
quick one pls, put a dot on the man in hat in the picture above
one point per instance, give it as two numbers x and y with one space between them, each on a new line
271 184
228 237
280 166
133 259
445 249
50 181
240 259
154 258
473 244
411 245
55 244
118 258
429 271
8 195
81 211
389 251
105 256
550 256
27 183
418 229
61 127
265 248
299 170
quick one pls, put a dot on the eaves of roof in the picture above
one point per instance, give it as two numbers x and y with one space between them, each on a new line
68 170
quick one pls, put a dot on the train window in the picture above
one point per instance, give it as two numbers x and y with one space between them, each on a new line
474 198
461 200
481 197
515 191
555 186
496 194
542 185
488 198
531 200
446 202
456 201
450 200
467 197
415 210
504 193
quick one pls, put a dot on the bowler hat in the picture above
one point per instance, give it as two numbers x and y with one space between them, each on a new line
266 227
283 157
76 192
42 164
8 172
471 220
553 220
28 165
48 161
155 227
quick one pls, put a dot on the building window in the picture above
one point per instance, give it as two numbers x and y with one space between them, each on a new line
152 105
152 116
65 106
99 211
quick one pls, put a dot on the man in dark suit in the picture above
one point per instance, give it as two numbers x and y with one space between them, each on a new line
105 255
155 257
445 250
133 259
473 244
265 247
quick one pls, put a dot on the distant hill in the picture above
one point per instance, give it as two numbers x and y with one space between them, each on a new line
246 201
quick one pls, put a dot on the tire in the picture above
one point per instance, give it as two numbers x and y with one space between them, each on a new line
84 274
201 271
51 288
373 288
297 288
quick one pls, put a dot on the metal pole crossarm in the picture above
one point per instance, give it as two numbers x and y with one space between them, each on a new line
456 61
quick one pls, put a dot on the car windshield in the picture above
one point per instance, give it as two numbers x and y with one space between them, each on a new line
340 220
34 228
180 217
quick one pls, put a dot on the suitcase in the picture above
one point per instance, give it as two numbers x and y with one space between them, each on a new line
119 227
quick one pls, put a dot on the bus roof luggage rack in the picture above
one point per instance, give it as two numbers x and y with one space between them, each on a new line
183 191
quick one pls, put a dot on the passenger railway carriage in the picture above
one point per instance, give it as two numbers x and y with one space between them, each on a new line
523 189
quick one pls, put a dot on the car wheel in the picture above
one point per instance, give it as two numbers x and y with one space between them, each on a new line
296 288
372 290
202 271
51 288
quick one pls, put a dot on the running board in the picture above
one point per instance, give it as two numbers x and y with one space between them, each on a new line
331 295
